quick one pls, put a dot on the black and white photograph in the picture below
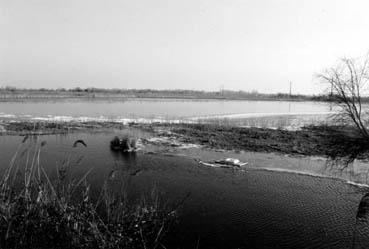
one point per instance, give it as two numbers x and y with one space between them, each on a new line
184 124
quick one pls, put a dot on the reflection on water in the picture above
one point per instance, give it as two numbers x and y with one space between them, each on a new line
125 159
225 208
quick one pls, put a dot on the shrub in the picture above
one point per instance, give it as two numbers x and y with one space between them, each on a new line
126 143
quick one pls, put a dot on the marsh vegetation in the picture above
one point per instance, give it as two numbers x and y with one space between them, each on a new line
40 211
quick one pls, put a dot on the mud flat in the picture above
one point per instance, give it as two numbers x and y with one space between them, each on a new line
308 141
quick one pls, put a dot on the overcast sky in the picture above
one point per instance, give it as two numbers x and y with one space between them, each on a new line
169 44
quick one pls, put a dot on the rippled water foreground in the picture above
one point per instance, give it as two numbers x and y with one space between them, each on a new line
225 208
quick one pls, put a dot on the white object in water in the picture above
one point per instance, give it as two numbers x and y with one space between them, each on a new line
228 162
231 161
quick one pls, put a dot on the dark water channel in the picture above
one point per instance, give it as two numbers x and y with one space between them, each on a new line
224 208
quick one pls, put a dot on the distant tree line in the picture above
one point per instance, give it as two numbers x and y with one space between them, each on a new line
151 93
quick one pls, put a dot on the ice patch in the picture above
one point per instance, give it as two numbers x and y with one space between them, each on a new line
361 185
357 184
260 114
4 115
170 141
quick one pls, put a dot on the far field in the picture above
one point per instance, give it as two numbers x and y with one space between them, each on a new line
15 94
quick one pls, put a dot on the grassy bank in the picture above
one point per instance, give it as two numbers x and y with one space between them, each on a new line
335 142
37 211
331 141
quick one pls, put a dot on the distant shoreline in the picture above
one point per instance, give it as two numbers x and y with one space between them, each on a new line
13 94
122 98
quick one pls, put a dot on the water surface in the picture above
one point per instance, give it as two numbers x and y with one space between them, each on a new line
225 208
154 108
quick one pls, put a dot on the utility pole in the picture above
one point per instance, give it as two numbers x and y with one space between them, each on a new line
331 98
221 90
290 89
331 90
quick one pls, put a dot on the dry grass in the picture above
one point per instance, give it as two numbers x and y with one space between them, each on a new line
271 122
37 212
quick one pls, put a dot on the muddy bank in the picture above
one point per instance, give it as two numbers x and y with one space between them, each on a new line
46 127
331 141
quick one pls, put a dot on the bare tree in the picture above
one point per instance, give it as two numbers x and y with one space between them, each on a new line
348 83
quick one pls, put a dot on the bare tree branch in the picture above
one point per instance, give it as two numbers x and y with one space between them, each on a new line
348 81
